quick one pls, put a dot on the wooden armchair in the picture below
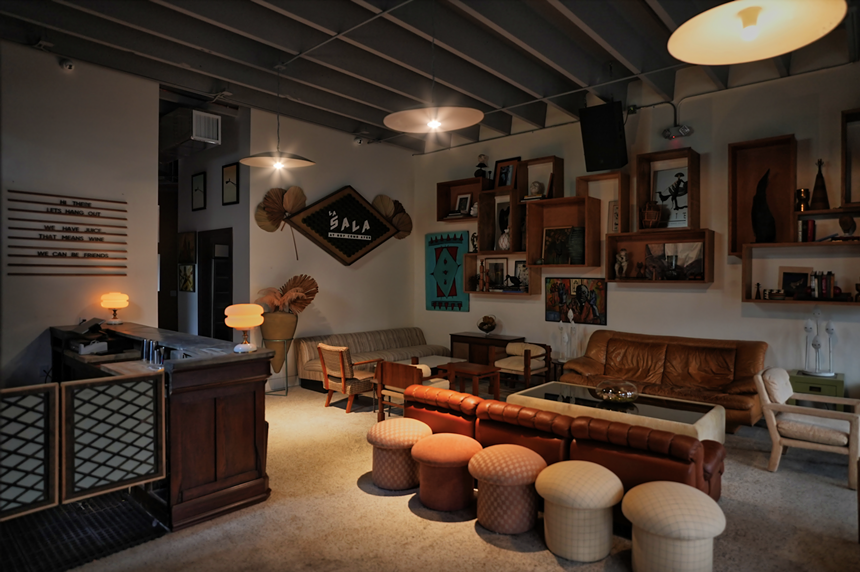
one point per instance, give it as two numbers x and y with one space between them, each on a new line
807 427
526 359
339 373
394 378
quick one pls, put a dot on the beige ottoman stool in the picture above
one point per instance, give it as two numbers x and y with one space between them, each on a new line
577 515
443 461
392 440
507 501
674 526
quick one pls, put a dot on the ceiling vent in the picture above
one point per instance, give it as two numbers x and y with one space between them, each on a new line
186 131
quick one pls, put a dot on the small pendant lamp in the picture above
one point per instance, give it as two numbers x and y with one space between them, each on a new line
751 30
276 159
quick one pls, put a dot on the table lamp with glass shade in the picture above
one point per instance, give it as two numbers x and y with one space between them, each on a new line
243 317
114 301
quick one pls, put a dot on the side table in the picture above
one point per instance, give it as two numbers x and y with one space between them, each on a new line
814 385
556 368
477 372
480 348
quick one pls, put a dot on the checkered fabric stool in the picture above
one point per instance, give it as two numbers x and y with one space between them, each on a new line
443 470
392 440
507 501
674 526
577 515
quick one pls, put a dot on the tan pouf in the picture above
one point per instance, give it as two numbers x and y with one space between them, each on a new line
507 501
674 526
443 470
577 515
392 440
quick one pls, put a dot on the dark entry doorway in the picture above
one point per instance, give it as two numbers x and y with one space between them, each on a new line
215 281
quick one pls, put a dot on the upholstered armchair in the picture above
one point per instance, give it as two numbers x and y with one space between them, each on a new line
394 378
340 374
526 359
807 427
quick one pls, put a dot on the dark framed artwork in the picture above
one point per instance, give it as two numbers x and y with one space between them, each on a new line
230 184
186 278
506 173
793 279
670 181
555 245
497 270
198 191
187 248
344 225
582 298
675 261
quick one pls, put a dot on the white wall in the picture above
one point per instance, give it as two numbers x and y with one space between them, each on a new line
235 133
376 292
90 132
808 106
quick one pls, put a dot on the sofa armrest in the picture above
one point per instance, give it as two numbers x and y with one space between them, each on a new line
715 455
742 385
585 366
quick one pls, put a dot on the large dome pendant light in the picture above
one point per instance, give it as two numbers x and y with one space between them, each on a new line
750 30
276 159
433 119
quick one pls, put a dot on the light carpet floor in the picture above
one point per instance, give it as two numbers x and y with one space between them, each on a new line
326 514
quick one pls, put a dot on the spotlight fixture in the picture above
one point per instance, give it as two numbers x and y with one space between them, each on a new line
752 30
677 131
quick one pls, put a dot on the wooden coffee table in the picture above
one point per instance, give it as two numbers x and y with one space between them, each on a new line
474 370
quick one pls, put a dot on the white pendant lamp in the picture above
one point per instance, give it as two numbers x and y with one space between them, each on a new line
751 30
276 159
430 119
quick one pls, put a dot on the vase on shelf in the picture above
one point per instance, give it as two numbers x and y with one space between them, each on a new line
819 201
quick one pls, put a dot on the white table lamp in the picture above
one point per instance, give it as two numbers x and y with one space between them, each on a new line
243 317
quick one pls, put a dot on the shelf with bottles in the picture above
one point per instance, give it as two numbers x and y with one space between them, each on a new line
843 258
511 266
668 257
564 215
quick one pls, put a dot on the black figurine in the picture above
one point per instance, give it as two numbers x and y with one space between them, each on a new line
758 291
763 223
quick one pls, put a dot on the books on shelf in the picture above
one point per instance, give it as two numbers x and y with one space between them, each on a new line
533 198
455 214
806 231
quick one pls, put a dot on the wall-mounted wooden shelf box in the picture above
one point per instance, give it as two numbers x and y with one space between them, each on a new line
546 170
636 243
447 193
487 223
647 164
790 250
559 213
623 183
471 263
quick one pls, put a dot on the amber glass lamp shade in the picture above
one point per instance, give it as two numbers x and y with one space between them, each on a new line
114 301
243 317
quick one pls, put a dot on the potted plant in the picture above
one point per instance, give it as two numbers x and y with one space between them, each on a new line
283 305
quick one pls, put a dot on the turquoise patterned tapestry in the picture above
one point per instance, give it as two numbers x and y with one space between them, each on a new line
444 271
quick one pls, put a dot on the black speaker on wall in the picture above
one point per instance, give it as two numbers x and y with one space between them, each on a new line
603 136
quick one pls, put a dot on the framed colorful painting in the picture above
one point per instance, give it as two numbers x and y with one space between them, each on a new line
583 299
443 260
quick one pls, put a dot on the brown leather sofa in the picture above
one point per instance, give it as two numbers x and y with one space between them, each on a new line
696 369
636 454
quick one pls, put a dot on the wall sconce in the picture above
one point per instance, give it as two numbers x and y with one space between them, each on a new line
243 317
114 301
677 131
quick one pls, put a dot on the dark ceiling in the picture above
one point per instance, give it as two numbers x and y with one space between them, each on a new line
347 64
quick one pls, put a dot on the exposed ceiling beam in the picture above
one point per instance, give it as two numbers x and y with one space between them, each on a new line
783 64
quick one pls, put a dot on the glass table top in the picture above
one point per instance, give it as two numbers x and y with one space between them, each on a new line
645 405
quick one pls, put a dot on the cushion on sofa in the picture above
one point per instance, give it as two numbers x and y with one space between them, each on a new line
711 396
697 366
635 361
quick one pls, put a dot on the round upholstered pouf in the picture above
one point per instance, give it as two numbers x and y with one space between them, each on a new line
674 526
507 501
443 471
392 440
577 515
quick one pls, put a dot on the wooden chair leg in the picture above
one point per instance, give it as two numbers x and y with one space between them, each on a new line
328 399
775 456
349 403
852 475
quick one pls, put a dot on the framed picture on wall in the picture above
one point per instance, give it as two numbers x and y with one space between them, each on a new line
187 248
230 184
497 269
793 279
186 278
198 191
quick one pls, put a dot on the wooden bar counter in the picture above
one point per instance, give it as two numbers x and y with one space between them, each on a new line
216 419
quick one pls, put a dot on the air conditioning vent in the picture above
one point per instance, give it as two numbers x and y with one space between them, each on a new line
186 131
207 127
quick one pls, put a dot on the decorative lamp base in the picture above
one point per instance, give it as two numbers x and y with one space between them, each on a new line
817 373
245 348
113 322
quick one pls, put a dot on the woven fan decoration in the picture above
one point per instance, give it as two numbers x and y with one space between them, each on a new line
277 205
294 296
394 212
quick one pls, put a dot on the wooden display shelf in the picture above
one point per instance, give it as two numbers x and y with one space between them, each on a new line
748 162
555 189
448 191
487 220
852 209
645 180
635 243
623 182
815 248
470 268
563 212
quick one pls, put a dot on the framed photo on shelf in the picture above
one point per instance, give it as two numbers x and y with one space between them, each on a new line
230 184
669 181
555 245
793 279
613 222
463 203
497 270
186 248
198 191
186 278
675 261
521 271
506 173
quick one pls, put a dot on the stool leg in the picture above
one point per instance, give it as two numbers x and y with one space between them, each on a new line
496 381
476 385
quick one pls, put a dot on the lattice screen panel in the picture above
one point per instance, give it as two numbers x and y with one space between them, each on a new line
113 434
28 449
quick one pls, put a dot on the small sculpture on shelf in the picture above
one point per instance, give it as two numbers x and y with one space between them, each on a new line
473 241
758 290
505 240
801 200
847 224
649 215
819 201
640 271
621 264
816 344
536 189
763 223
482 165
474 210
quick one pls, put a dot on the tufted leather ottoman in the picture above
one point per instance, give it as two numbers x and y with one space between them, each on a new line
507 501
577 513
392 440
443 471
674 526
